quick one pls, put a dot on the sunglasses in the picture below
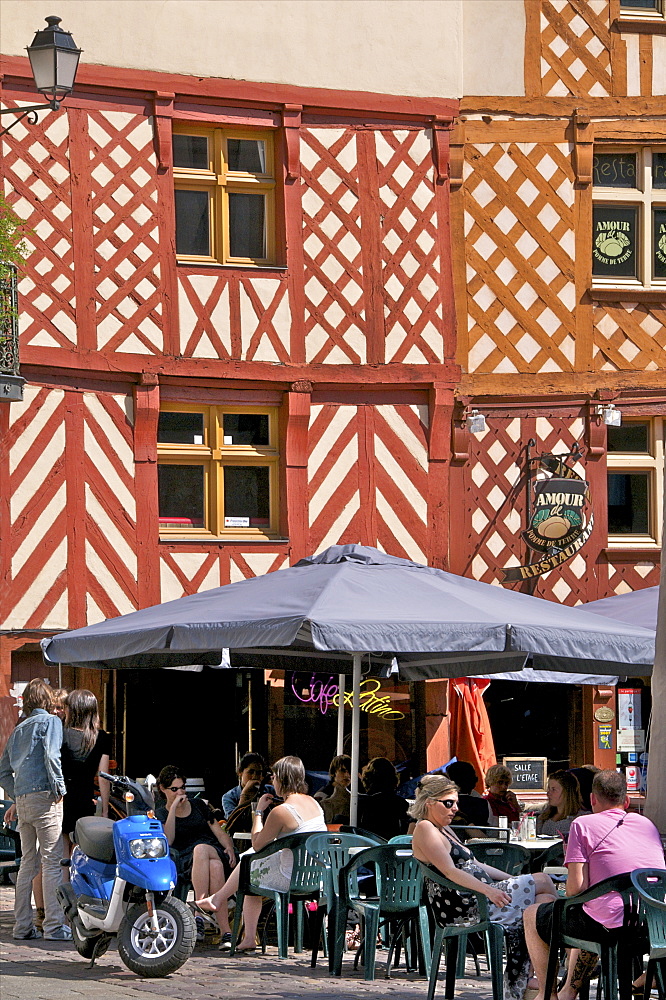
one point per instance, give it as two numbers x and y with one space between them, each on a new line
176 788
448 803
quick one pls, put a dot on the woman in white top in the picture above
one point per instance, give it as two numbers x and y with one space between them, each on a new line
297 812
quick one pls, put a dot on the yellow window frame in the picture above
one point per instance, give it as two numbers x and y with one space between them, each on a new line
219 181
214 455
651 463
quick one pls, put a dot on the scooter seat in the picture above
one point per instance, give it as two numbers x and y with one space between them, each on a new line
94 835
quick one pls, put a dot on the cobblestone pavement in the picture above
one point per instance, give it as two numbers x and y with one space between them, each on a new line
50 970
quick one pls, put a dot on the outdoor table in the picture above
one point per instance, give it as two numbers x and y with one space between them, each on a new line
538 844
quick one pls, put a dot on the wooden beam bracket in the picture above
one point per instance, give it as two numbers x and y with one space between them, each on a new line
583 130
291 123
441 131
163 105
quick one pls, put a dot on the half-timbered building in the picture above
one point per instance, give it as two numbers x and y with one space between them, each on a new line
272 273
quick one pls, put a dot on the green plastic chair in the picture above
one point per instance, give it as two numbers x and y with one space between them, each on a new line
399 900
616 963
650 884
454 935
360 832
307 881
404 838
331 851
511 858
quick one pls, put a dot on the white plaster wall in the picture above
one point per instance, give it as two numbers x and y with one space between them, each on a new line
410 47
493 48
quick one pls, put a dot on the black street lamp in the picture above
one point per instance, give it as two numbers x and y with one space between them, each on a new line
54 60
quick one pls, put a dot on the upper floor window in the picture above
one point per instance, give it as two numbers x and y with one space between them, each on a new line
225 195
217 471
642 8
629 218
635 482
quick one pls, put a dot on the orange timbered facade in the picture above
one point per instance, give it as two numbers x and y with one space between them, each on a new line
320 349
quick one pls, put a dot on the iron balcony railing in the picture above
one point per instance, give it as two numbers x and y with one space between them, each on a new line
9 334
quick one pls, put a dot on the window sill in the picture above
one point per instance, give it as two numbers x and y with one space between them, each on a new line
215 265
221 540
655 25
626 553
618 294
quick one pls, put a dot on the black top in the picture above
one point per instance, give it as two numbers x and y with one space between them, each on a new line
79 771
472 810
384 813
192 829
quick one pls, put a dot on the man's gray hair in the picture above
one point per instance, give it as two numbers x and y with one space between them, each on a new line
611 786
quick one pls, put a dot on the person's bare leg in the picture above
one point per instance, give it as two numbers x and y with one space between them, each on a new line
545 887
251 914
217 903
537 948
215 875
202 856
567 992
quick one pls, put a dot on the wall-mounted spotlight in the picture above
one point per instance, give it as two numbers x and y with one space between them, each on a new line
610 414
476 423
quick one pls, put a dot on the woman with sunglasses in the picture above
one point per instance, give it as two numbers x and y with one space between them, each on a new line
435 843
206 854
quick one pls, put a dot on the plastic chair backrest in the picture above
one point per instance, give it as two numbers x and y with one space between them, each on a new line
404 838
332 850
306 876
509 858
650 884
398 876
360 832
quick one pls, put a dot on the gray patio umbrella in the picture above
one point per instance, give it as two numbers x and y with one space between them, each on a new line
638 607
351 604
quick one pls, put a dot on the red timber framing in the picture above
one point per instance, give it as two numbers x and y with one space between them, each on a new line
350 336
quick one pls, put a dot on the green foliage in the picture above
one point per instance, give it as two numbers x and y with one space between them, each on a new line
13 250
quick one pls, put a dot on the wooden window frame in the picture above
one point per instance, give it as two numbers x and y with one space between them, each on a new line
220 182
646 14
214 456
645 197
651 462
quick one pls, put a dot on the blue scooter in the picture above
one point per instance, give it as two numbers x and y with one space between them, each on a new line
121 883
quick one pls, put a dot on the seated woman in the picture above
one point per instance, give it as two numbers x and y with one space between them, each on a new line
237 802
382 810
334 798
502 802
205 852
434 842
298 812
564 805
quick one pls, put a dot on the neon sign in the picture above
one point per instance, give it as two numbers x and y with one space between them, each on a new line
324 693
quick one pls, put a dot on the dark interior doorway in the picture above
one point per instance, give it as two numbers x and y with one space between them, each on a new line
532 720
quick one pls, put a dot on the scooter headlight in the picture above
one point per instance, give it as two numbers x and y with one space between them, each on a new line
148 847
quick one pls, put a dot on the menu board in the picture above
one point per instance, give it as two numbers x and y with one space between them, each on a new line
529 773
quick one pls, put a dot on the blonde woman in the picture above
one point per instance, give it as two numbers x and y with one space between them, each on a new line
296 812
435 843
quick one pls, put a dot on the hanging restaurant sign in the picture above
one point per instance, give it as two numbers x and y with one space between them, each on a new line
558 527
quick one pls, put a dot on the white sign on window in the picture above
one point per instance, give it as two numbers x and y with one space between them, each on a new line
237 522
629 740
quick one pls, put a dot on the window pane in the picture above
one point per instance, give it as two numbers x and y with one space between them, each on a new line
659 170
640 4
614 241
629 438
628 503
248 155
181 495
192 223
614 170
659 244
246 428
181 428
190 151
247 225
246 496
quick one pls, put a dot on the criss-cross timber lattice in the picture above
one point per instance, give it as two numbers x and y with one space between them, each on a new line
575 48
126 238
630 335
36 170
520 256
334 304
410 257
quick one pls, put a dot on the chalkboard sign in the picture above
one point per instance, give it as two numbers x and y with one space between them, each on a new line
529 773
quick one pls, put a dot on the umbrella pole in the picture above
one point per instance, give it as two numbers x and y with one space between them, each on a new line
356 718
341 714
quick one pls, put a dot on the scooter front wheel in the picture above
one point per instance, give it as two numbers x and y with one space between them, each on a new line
154 954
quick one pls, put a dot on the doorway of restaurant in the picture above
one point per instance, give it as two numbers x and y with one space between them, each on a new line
535 720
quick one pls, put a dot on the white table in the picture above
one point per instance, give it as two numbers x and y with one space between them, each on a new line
538 844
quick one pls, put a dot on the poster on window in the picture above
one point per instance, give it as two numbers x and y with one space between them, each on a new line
659 268
614 241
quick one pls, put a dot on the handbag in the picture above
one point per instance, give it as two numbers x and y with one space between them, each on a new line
273 872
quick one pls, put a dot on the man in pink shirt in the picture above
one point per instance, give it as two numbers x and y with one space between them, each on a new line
609 842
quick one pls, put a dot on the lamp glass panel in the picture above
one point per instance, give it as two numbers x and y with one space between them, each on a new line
192 223
181 494
43 65
628 503
67 62
247 225
247 496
